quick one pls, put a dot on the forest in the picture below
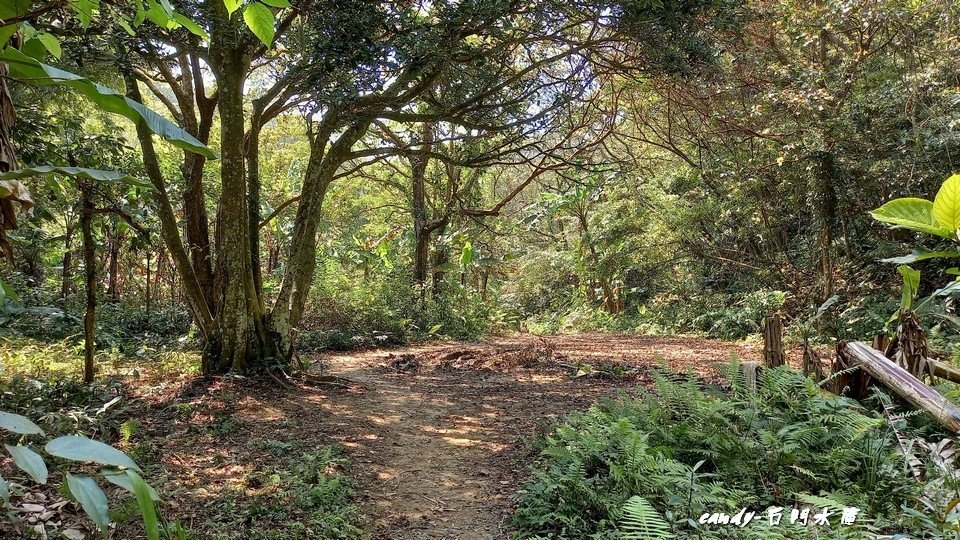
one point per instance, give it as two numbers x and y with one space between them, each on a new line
479 269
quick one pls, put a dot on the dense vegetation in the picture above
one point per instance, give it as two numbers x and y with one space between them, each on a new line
691 451
220 188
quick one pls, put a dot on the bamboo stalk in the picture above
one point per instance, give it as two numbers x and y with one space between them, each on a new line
901 382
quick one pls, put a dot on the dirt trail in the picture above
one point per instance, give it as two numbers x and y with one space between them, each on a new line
435 434
435 431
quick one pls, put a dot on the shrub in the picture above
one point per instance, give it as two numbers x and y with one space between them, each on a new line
690 450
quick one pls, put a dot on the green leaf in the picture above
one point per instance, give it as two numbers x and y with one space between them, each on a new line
157 14
120 479
193 27
277 3
946 205
29 70
14 8
77 448
4 490
259 20
466 256
18 424
145 502
78 172
6 32
911 213
911 284
91 498
51 43
30 462
921 254
232 5
8 10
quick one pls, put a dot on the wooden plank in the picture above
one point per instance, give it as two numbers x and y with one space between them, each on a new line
905 385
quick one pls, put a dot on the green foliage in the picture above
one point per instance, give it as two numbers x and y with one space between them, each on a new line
303 495
641 521
688 450
259 19
912 213
79 449
28 69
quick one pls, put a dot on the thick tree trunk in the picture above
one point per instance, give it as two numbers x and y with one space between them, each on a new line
825 209
191 286
198 112
240 343
302 260
421 231
90 269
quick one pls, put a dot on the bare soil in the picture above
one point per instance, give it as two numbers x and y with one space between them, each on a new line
438 435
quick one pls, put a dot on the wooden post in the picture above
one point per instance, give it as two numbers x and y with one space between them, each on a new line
773 355
905 385
750 371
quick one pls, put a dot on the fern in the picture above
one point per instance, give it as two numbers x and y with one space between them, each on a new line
641 521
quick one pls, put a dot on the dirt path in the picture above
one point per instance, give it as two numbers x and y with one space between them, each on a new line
437 430
437 434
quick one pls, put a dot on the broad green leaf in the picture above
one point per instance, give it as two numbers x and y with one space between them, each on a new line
120 479
946 205
8 10
6 32
78 172
466 256
84 10
911 213
145 502
911 284
91 498
193 27
277 3
51 43
232 5
158 15
922 254
77 448
18 424
29 70
259 20
4 490
30 462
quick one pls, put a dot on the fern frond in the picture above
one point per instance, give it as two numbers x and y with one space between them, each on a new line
641 521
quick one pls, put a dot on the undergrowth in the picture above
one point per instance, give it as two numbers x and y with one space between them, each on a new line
658 462
298 495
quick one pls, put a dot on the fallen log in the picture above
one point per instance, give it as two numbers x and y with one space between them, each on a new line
944 370
905 385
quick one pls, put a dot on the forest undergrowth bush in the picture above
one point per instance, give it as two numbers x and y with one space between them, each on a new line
292 498
384 311
685 450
